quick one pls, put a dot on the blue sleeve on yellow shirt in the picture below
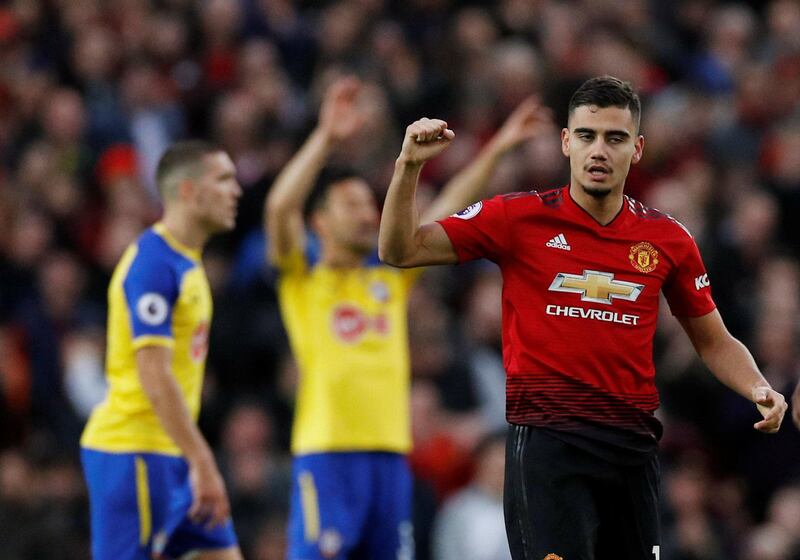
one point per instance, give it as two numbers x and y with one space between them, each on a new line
152 286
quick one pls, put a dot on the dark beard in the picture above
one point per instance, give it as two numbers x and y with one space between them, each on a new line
597 193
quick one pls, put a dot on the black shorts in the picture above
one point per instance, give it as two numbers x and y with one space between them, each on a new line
564 502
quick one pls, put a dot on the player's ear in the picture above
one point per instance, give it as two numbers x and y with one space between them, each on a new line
565 141
185 189
638 149
316 221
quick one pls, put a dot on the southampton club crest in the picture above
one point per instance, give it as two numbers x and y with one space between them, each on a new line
643 257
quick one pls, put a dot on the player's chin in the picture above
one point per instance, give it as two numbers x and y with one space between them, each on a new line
597 190
226 224
365 246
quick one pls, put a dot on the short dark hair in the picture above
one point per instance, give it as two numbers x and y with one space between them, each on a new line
181 160
607 91
328 177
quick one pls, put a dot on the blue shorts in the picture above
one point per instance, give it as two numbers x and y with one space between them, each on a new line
139 504
351 505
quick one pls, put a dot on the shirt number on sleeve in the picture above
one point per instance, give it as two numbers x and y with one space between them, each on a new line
657 552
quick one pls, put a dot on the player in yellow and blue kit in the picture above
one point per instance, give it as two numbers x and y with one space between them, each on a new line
346 320
154 487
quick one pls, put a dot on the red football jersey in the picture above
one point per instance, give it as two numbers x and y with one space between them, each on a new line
580 303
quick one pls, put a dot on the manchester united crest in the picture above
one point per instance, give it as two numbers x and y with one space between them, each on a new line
552 556
643 257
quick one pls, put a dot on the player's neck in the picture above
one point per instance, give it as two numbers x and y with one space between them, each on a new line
186 232
602 209
334 256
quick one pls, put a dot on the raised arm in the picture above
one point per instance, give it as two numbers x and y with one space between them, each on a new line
210 500
529 119
406 240
731 362
402 242
339 119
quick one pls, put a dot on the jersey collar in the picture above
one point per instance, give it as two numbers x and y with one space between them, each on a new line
584 217
187 252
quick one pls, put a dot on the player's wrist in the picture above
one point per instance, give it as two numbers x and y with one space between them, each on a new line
405 162
323 134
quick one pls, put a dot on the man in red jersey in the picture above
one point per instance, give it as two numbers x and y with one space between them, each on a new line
582 268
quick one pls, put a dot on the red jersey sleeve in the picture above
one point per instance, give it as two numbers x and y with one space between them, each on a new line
481 230
687 289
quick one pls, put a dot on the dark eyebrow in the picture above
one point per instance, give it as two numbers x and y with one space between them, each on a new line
622 133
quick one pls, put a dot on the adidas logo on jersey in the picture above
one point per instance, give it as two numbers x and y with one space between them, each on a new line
559 242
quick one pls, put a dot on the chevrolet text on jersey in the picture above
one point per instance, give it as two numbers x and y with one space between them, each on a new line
594 314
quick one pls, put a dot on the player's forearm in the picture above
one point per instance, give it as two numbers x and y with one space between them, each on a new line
400 219
170 407
294 183
467 186
731 362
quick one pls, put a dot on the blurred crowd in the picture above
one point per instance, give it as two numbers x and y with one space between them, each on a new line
92 91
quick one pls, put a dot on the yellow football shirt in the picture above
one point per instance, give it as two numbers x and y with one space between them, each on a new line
348 331
158 295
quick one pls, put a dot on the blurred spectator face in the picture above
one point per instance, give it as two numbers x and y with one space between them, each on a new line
428 334
784 510
62 197
782 149
783 19
61 281
516 73
248 428
674 197
235 122
31 235
608 54
95 53
168 37
262 77
341 28
36 167
30 90
490 472
754 218
779 288
79 16
258 56
118 233
64 116
15 478
776 343
484 309
221 21
687 489
662 122
426 411
474 30
140 87
521 15
348 217
769 542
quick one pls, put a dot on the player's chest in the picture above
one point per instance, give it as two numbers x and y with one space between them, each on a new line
594 267
356 306
194 304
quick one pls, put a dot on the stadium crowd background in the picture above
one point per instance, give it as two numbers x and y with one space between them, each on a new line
92 91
